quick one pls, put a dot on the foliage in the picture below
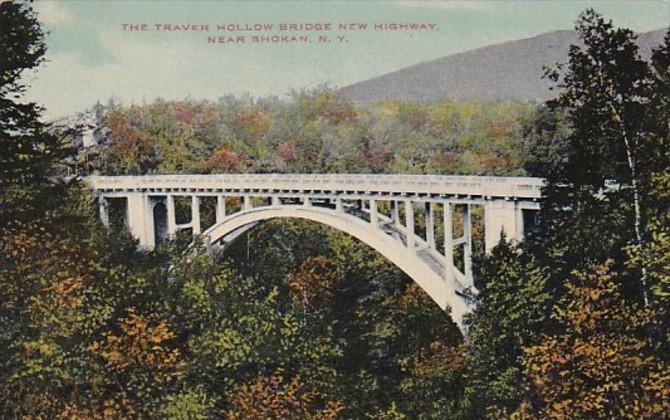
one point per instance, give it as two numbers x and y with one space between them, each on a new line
313 131
392 339
277 397
295 320
598 193
141 356
511 309
604 356
655 257
29 152
313 283
600 363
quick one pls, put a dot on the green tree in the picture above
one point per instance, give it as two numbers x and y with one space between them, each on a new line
512 307
28 151
605 163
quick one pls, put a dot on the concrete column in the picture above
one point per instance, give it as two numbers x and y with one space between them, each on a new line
275 201
395 212
140 220
306 201
449 239
171 217
501 217
220 208
430 225
374 216
467 247
338 205
409 224
103 207
195 215
246 203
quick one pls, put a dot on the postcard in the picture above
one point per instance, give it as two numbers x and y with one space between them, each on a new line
334 209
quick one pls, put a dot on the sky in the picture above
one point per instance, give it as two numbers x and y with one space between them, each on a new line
92 58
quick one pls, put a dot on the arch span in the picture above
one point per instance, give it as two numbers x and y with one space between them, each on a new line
420 269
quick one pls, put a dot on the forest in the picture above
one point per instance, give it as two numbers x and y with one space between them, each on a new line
297 320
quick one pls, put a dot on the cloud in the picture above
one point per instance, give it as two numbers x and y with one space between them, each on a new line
52 13
462 5
143 69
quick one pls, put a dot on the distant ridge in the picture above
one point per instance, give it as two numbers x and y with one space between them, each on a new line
510 71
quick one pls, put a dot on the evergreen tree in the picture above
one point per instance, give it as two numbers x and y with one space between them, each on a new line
27 151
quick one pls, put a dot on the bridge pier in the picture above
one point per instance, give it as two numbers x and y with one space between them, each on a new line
449 240
139 216
467 248
246 203
195 215
395 212
502 217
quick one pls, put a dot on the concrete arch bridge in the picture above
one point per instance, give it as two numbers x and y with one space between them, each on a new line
380 210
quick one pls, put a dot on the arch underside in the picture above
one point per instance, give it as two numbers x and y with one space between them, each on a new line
423 265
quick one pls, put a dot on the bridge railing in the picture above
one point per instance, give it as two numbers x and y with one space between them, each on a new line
499 187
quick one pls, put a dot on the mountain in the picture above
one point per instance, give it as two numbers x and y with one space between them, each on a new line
510 71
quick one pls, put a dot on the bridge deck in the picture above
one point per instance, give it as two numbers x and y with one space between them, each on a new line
519 188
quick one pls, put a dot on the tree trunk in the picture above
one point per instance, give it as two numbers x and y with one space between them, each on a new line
632 166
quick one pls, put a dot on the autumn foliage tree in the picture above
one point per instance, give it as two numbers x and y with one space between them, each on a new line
279 397
600 363
313 284
225 160
137 361
29 150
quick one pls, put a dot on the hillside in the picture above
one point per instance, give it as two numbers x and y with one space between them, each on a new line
510 71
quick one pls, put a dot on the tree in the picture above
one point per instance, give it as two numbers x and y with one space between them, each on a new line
599 363
655 254
660 117
605 243
605 91
28 151
225 160
277 397
511 308
313 284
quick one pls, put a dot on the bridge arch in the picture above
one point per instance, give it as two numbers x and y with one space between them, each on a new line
428 278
